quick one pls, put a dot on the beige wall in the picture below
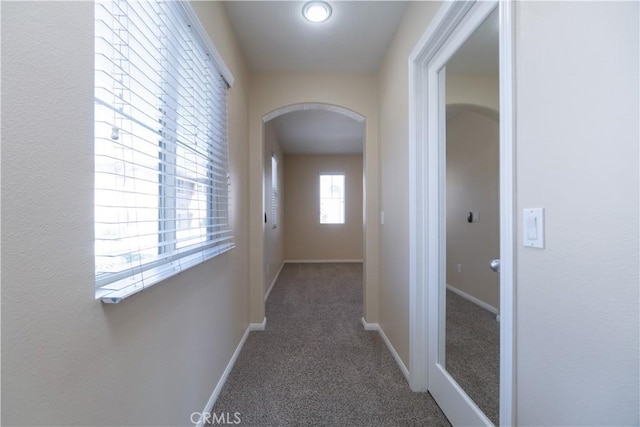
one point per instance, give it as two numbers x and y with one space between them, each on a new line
472 151
273 236
357 92
67 359
305 237
475 89
145 362
473 185
577 156
393 86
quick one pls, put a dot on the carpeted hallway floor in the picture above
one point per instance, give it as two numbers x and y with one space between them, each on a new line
315 365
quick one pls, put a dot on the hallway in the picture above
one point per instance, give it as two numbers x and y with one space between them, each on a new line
132 296
315 365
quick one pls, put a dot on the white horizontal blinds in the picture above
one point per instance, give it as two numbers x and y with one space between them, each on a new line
274 191
161 156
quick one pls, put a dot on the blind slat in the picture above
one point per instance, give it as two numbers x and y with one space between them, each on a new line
161 153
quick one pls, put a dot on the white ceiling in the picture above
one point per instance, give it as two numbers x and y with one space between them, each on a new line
318 132
274 36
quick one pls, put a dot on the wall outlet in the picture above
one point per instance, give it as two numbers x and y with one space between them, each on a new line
459 268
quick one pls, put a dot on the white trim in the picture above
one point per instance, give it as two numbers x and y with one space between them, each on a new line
321 261
258 326
115 292
395 354
275 279
369 326
204 36
473 299
439 29
376 327
507 215
451 391
223 378
314 106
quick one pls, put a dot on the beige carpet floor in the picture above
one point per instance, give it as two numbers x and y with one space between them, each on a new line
314 365
473 352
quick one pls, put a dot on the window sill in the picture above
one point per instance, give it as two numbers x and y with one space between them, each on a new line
118 291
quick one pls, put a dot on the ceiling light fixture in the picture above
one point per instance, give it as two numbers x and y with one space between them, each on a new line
316 11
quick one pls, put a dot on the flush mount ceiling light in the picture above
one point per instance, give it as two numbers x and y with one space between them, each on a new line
316 11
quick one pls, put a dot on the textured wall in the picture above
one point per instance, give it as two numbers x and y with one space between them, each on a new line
577 157
305 237
67 359
472 185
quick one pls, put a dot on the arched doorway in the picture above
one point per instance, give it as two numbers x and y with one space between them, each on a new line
315 138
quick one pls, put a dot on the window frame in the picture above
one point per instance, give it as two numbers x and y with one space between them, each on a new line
275 191
343 199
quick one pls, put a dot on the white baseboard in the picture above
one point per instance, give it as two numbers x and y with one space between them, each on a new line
223 379
320 261
474 300
376 327
369 326
273 282
258 326
395 354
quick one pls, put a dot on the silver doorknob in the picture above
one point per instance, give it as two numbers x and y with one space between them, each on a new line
495 265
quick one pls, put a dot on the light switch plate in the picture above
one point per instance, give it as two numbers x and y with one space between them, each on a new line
533 228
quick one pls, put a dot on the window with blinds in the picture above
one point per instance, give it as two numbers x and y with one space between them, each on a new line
274 191
161 155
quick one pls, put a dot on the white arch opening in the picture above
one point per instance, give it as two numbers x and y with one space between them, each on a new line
314 106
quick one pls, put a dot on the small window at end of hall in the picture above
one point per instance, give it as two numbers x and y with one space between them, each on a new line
332 198
275 201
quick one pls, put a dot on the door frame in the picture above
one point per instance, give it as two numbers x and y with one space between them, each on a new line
425 180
